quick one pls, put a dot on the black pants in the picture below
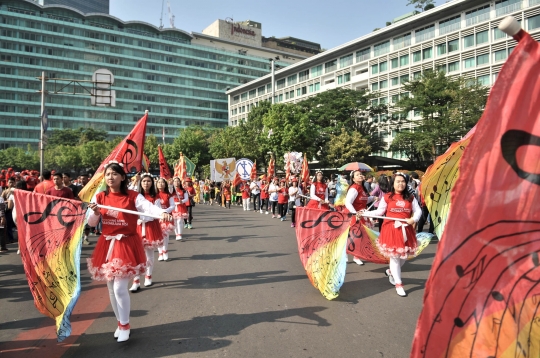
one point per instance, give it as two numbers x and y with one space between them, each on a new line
190 215
3 239
10 224
256 201
274 204
293 215
423 220
282 209
264 204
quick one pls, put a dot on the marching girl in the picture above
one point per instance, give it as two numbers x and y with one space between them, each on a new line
244 189
273 195
398 239
149 230
119 254
197 188
190 204
294 199
357 199
206 192
318 193
166 202
264 195
227 193
283 199
180 197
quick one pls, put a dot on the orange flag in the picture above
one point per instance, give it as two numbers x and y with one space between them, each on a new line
253 175
482 296
271 168
180 170
304 172
237 180
164 171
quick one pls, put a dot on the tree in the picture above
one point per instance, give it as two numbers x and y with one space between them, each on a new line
225 143
73 137
415 146
64 158
192 142
151 151
346 147
19 159
421 4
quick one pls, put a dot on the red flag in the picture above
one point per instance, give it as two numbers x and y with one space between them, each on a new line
164 171
288 171
237 180
253 175
271 168
129 152
304 172
180 170
146 163
482 296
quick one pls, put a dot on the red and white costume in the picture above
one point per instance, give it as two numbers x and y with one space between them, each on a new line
180 198
149 228
357 200
318 193
166 202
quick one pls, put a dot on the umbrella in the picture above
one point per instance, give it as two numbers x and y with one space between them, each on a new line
357 166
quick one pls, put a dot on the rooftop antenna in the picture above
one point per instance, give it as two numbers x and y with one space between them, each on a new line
171 16
161 18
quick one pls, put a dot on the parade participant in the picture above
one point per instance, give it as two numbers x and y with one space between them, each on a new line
180 197
294 199
119 253
227 193
283 199
318 193
273 195
190 203
149 230
165 201
398 239
382 187
357 199
256 195
134 183
206 192
197 187
264 195
45 184
66 177
212 187
59 189
244 189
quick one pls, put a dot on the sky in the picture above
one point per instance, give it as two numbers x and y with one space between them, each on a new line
330 23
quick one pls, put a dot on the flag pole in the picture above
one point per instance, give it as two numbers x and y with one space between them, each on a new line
138 213
41 145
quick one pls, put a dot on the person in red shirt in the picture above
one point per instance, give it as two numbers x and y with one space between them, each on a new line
190 203
59 189
264 195
318 193
226 188
283 199
245 190
45 184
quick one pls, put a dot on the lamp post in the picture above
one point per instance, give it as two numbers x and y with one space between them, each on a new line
273 69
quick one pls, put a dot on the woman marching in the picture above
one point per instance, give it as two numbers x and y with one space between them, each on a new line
206 192
180 197
398 239
294 199
227 193
119 254
244 189
149 230
166 202
190 203
318 193
283 199
273 195
264 195
356 201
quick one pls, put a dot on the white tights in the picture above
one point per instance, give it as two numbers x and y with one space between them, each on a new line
178 226
165 246
395 268
245 202
119 296
149 262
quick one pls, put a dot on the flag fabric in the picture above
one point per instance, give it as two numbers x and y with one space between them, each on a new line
129 152
190 167
438 181
287 171
164 171
253 174
482 296
271 168
237 180
45 120
180 170
304 172
146 163
50 236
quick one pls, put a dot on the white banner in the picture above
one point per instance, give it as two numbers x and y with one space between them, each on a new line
222 169
244 166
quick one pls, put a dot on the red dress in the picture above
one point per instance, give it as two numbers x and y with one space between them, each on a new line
150 231
391 242
166 226
128 258
227 192
320 191
180 212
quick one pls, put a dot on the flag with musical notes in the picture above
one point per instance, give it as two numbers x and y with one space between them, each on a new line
439 180
50 236
482 298
129 152
164 171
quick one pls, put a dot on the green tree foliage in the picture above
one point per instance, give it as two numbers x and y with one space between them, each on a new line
151 151
73 137
193 142
346 147
421 4
19 159
225 143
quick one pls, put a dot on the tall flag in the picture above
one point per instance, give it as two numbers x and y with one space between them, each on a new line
304 172
237 180
180 169
440 178
482 296
146 163
50 236
163 135
45 120
164 171
271 168
253 174
288 170
129 152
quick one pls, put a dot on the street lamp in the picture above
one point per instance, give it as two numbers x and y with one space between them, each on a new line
273 68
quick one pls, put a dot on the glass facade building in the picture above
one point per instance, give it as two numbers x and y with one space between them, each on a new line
460 37
179 82
85 6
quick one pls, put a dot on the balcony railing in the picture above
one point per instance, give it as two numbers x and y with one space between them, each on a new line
425 36
534 2
449 28
508 9
478 18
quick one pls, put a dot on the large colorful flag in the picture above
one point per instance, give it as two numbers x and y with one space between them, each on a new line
50 235
184 167
222 169
164 171
253 174
237 179
304 172
146 163
482 296
287 171
129 152
271 168
440 178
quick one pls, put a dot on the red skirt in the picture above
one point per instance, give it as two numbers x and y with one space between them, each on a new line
167 228
153 235
180 212
314 204
391 242
128 259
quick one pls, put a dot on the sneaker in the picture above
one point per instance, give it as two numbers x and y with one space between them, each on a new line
4 250
358 261
292 225
189 226
178 237
273 216
165 255
160 257
148 281
260 211
400 291
136 286
279 217
123 333
282 219
266 213
86 242
390 277
185 226
18 252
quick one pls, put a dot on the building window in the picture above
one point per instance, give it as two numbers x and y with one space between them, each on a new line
243 97
468 41
416 75
450 25
291 80
404 60
453 66
346 77
304 75
317 86
441 68
339 79
500 55
533 22
381 48
441 49
482 59
383 84
477 15
484 80
363 55
482 37
506 6
469 62
252 94
316 71
330 66
280 83
425 33
260 90
291 94
346 61
417 56
403 79
374 69
383 66
395 62
402 41
395 81
375 86
498 34
427 53
395 98
298 92
453 45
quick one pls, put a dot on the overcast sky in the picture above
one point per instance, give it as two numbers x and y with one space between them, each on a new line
330 23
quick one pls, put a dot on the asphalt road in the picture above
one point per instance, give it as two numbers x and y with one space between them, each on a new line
234 287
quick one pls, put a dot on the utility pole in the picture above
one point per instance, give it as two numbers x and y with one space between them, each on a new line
273 79
41 144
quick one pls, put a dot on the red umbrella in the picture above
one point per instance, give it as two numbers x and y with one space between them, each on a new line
357 166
